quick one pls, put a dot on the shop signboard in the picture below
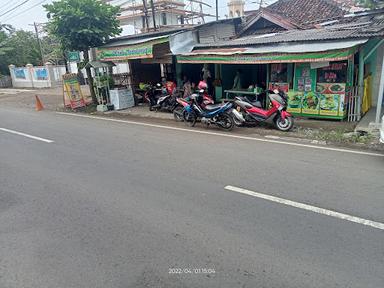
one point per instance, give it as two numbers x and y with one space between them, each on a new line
72 91
137 51
73 56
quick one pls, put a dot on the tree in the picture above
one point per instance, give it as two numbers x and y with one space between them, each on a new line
372 4
18 48
5 30
82 24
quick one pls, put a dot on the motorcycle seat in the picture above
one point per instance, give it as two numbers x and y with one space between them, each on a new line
212 106
257 104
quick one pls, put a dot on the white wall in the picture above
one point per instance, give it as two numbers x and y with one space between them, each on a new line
36 77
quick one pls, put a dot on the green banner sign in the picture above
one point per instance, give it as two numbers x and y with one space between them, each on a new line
138 51
73 56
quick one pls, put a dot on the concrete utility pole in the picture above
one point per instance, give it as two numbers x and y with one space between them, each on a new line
38 41
146 13
217 10
153 14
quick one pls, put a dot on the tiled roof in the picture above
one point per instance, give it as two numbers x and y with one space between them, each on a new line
360 28
309 12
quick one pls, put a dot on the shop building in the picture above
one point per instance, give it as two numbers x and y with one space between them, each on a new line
323 69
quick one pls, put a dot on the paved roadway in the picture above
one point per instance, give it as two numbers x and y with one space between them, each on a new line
111 204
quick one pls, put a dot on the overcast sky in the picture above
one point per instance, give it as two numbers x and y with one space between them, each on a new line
32 11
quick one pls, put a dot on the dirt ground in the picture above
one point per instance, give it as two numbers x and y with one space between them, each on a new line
52 98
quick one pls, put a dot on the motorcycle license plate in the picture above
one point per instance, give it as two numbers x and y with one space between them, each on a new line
238 108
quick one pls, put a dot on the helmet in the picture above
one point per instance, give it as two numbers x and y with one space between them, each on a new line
202 85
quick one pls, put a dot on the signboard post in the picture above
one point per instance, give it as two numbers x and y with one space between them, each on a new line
73 56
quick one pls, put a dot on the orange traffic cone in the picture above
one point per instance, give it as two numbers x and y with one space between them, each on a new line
39 105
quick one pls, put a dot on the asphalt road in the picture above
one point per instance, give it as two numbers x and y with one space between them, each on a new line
111 204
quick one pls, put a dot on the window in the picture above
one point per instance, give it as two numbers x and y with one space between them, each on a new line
164 18
336 72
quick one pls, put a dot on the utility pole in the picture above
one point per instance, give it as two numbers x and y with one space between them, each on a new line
153 14
146 13
217 10
39 42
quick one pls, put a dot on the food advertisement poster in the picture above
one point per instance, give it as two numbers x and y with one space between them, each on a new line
330 88
329 104
310 103
331 95
294 101
73 91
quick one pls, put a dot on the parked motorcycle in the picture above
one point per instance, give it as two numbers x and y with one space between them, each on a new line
248 112
218 114
152 95
183 102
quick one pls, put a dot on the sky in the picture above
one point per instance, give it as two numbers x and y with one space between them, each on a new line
30 11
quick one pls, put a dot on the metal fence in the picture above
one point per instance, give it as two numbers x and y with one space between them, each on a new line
5 81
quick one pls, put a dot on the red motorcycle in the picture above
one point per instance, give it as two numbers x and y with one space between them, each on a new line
183 102
252 112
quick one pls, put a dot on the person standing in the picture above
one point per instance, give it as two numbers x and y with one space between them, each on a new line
237 81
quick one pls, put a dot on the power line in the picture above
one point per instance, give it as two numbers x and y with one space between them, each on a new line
17 6
8 5
26 10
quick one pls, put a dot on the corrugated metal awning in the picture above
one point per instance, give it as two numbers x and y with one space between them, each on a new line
283 53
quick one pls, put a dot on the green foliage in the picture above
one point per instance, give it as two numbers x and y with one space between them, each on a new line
372 4
5 30
82 24
18 48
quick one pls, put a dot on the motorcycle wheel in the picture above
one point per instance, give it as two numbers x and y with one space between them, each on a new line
225 122
178 113
284 124
189 118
